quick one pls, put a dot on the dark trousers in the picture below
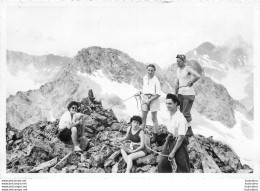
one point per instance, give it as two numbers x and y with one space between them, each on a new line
186 102
181 157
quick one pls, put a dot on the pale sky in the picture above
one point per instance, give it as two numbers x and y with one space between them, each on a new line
148 32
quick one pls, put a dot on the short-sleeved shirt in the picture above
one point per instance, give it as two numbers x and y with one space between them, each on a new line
151 86
65 120
177 124
184 78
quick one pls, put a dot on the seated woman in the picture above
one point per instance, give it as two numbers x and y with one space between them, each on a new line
136 135
69 128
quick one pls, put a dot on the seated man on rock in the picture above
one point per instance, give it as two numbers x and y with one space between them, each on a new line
69 126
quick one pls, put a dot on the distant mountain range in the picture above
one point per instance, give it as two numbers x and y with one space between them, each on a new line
65 79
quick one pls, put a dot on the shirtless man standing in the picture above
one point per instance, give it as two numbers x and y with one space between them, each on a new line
186 77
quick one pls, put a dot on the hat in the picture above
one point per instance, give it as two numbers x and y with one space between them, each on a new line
181 56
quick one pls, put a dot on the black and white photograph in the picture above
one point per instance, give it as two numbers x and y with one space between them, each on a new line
130 87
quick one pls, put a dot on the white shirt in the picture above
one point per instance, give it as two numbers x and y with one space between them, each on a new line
177 124
184 78
65 120
151 86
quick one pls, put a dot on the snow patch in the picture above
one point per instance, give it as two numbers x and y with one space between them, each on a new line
242 144
235 83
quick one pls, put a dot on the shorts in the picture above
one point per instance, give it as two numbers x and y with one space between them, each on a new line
65 135
146 152
153 106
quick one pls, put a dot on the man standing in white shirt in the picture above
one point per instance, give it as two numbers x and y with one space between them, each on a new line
186 77
69 129
151 93
176 142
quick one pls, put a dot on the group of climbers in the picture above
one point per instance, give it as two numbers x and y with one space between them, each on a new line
178 121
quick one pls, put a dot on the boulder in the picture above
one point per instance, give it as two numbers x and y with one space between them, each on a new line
116 126
111 160
63 162
98 158
47 164
84 143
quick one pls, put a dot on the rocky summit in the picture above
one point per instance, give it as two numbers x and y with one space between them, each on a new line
36 148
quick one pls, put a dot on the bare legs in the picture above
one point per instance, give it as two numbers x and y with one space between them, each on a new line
144 117
129 158
154 119
74 136
155 122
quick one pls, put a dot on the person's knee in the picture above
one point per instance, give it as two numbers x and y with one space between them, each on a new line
154 119
74 130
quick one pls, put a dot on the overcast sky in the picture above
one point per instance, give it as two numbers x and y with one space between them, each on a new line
148 32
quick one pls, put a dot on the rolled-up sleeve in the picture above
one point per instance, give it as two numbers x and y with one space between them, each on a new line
182 127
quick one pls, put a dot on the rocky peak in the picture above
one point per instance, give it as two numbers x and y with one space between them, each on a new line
205 48
212 100
17 61
36 149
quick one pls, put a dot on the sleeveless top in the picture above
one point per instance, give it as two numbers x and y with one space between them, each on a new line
184 78
134 138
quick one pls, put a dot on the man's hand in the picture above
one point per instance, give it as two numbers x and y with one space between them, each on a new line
171 156
190 84
146 102
129 151
138 93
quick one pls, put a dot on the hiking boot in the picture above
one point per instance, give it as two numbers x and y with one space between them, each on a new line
77 149
189 132
154 138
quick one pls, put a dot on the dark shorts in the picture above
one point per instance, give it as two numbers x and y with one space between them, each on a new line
65 135
144 150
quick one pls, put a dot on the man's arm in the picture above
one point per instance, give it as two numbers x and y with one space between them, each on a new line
176 87
153 97
176 147
195 74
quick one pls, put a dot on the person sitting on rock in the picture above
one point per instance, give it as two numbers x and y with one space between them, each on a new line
69 128
176 142
136 135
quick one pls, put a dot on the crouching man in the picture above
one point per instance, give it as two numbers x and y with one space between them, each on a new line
176 142
69 126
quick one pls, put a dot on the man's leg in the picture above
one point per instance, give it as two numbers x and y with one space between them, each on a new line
144 117
164 165
74 137
186 102
182 159
155 126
